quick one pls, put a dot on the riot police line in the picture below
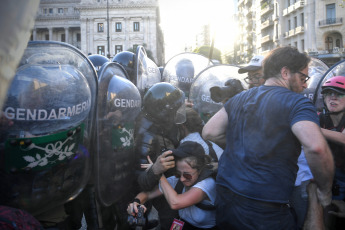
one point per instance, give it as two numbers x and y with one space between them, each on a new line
70 121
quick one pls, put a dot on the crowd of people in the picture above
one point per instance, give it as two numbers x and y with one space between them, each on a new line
266 160
263 131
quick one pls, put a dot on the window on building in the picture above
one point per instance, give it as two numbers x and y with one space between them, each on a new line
302 45
100 27
136 26
118 27
60 10
47 37
45 11
118 49
295 21
302 19
78 37
50 10
63 37
329 43
296 44
289 24
337 42
330 13
135 47
100 50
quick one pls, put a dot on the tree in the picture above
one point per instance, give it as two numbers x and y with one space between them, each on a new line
148 52
205 50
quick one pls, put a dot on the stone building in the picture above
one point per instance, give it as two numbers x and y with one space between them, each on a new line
313 26
104 27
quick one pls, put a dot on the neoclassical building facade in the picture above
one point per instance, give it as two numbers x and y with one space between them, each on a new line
103 27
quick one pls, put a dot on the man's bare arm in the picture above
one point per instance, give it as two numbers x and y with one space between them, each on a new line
319 157
215 129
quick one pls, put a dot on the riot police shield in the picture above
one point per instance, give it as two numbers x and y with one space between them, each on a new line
212 76
119 103
182 69
337 69
316 69
147 72
46 125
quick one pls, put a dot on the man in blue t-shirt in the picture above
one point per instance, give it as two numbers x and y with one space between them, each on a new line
263 129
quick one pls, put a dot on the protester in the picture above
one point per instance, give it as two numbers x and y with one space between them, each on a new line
156 131
263 129
332 123
255 72
195 201
190 130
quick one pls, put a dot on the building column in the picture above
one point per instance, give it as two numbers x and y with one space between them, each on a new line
127 32
34 34
66 34
50 33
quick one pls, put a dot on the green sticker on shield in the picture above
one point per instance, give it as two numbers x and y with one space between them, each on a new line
123 136
39 153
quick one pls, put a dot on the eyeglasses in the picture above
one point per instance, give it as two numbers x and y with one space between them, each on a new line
304 75
188 176
253 78
333 94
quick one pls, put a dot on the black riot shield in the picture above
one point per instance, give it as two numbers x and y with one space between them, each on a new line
212 76
337 69
147 72
119 103
316 69
182 69
46 125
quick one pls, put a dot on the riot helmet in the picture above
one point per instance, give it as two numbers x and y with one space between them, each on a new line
165 103
126 59
97 61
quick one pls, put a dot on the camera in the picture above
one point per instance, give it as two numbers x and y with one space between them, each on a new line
139 219
231 88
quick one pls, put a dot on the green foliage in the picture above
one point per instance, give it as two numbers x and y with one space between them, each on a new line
148 52
205 50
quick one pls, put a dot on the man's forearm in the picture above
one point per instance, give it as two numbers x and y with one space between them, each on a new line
322 166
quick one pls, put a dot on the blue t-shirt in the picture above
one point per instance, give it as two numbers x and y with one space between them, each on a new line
260 158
